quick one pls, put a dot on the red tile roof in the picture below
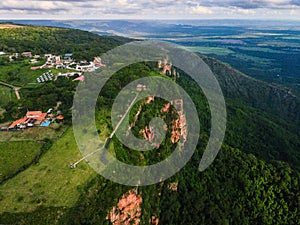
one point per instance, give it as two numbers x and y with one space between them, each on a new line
81 78
37 115
60 117
17 122
33 114
41 117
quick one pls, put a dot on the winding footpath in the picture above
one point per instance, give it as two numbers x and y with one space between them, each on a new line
16 89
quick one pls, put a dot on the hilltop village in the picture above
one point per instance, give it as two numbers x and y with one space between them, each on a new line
72 68
65 62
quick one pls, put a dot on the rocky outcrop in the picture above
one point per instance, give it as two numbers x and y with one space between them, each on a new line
154 220
127 211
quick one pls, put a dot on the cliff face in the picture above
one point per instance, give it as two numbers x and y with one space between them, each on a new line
269 98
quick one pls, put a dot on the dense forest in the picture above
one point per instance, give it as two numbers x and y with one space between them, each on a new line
255 178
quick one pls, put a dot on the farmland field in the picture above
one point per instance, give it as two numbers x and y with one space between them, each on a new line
15 155
51 182
36 134
208 50
6 95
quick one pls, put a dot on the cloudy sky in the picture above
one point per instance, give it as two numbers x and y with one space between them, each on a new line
155 9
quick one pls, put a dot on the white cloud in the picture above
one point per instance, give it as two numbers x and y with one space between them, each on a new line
155 9
27 5
201 10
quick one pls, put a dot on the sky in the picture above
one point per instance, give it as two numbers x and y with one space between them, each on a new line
155 9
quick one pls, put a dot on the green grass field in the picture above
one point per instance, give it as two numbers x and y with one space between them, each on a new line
36 134
20 74
6 95
15 155
51 182
211 50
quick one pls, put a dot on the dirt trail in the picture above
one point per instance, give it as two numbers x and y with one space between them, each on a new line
16 89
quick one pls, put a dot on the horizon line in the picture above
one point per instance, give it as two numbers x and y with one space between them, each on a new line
162 19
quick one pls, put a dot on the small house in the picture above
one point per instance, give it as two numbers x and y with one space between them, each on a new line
68 56
27 54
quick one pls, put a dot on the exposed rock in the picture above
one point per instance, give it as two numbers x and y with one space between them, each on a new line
154 220
173 186
166 108
179 128
128 210
148 135
166 67
150 99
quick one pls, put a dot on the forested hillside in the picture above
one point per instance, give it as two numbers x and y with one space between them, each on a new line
46 40
272 99
262 118
255 178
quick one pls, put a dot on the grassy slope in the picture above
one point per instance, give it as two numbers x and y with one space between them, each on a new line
6 95
50 182
24 74
15 155
36 134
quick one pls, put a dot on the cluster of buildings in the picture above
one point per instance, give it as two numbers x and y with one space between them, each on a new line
67 62
34 119
53 61
56 61
25 55
141 87
59 62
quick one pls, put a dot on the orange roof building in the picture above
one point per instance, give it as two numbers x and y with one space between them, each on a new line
20 121
81 78
36 115
41 117
27 54
60 117
33 114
